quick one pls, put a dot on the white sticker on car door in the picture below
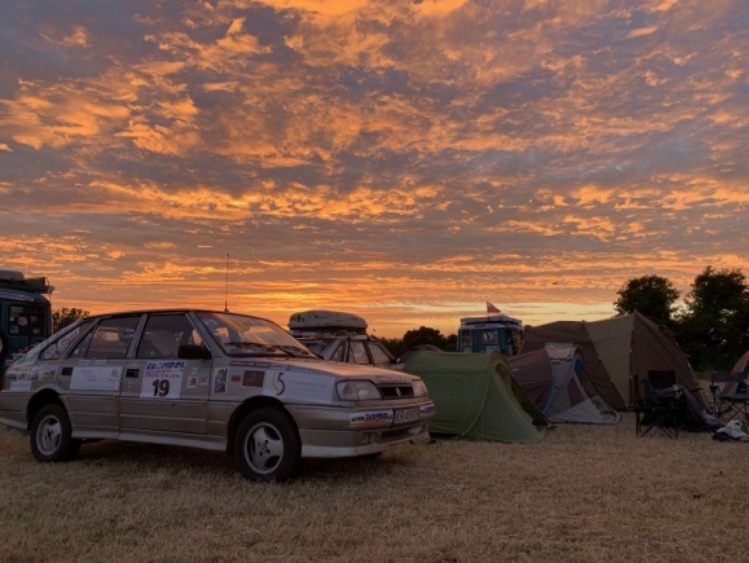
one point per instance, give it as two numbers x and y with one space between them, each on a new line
96 378
163 379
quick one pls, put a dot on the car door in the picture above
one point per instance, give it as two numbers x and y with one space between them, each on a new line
162 393
93 372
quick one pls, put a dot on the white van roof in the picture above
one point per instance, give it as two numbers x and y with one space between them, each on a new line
497 320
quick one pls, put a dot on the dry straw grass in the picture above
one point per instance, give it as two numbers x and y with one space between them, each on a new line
585 493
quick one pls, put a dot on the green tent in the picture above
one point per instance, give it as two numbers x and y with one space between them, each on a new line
476 397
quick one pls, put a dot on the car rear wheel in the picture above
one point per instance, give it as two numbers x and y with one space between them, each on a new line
51 435
267 446
3 345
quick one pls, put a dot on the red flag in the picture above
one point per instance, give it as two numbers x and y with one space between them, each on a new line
491 309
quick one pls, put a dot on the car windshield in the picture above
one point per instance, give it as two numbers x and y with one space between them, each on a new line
240 335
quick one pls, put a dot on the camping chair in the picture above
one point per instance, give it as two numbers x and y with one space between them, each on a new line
732 399
661 405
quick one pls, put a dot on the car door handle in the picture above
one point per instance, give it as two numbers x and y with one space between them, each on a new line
132 372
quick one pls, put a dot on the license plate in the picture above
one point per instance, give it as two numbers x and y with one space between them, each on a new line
406 415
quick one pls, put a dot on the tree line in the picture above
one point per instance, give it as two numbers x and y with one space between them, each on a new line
711 323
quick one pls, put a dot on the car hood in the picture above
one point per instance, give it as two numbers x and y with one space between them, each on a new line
349 370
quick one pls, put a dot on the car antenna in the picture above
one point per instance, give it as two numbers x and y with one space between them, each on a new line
226 286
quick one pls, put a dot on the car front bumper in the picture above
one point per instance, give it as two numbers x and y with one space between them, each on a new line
340 432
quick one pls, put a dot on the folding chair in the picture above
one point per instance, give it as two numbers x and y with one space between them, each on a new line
661 405
730 395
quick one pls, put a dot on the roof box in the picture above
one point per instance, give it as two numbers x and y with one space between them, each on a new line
326 320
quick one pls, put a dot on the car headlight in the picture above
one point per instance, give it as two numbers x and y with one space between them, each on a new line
420 389
357 391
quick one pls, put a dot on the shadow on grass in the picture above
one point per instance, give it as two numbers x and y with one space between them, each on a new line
179 459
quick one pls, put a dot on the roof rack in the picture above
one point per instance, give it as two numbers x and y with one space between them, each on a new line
497 319
10 279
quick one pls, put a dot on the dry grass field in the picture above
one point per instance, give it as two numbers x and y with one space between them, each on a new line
585 493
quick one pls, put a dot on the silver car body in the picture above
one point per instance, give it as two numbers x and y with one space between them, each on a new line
188 377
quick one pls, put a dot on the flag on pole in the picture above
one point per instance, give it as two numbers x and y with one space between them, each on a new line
491 309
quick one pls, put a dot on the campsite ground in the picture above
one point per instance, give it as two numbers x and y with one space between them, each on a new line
585 493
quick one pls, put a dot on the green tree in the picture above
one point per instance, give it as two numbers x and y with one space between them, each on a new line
394 345
714 329
652 296
419 337
64 317
423 336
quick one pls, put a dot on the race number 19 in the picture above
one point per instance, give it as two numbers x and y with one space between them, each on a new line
160 387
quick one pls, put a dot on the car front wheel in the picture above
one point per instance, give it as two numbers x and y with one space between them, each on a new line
267 446
51 435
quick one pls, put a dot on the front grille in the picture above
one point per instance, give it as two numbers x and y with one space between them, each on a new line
397 391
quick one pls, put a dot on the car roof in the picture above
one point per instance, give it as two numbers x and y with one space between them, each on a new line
172 310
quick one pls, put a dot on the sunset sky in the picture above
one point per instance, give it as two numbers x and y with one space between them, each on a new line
403 160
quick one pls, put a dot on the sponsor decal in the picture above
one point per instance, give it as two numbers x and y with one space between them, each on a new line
41 373
236 378
301 387
192 382
219 381
253 378
277 383
373 418
427 410
17 373
163 379
20 385
16 297
63 343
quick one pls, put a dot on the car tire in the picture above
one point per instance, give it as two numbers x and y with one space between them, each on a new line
3 346
3 352
267 446
51 435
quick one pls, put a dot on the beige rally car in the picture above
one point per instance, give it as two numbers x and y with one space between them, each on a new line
206 379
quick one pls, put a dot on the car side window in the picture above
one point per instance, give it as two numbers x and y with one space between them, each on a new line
359 353
163 335
339 350
379 356
57 348
109 340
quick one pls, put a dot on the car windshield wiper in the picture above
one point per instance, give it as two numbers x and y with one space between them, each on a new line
295 350
248 344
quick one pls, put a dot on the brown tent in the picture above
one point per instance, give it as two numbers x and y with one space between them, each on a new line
618 352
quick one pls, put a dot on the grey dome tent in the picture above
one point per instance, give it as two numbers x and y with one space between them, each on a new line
550 376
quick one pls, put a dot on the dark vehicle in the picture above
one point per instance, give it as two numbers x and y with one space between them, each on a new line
492 333
25 315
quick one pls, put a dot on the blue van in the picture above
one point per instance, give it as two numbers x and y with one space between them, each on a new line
25 315
491 333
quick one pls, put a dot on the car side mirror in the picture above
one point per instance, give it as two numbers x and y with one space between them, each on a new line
193 352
